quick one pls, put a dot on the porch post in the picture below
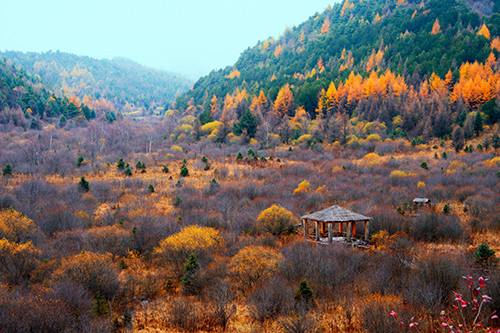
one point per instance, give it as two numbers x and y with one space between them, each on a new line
367 230
330 233
353 228
349 230
317 230
304 226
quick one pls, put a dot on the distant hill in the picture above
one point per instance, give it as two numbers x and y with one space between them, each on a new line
24 101
381 57
119 81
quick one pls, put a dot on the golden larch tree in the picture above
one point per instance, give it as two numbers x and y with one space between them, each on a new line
278 50
326 26
436 27
484 31
495 44
332 97
213 106
284 101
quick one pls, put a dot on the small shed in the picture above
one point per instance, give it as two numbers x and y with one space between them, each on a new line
338 216
420 202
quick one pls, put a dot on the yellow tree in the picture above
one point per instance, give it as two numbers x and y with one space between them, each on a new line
449 79
326 26
377 18
484 31
16 227
495 44
321 66
371 61
436 27
193 239
253 264
278 50
332 97
284 101
228 112
277 220
213 105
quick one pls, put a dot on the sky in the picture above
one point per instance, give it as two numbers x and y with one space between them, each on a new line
190 37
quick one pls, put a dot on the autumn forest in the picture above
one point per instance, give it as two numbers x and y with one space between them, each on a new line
135 200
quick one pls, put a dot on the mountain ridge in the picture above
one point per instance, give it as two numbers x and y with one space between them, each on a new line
118 80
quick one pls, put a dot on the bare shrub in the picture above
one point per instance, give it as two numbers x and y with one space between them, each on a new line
183 314
435 227
479 206
17 261
76 298
22 311
269 300
375 316
60 219
103 191
300 320
323 267
388 220
93 271
220 296
111 239
434 279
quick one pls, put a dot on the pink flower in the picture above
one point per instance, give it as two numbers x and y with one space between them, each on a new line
486 298
414 324
444 324
394 314
494 317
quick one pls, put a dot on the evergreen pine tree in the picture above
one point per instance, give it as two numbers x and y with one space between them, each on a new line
84 185
7 170
79 161
305 294
184 171
191 269
120 164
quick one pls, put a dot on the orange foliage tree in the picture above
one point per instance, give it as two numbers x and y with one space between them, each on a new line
326 26
284 101
436 28
16 227
17 261
253 264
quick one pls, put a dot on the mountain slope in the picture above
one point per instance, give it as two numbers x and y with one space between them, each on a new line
358 45
24 101
118 81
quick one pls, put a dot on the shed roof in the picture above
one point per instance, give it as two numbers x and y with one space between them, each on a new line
336 214
421 200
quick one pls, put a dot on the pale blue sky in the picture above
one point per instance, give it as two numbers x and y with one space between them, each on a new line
189 37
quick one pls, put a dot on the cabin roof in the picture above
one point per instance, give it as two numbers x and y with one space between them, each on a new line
421 200
336 214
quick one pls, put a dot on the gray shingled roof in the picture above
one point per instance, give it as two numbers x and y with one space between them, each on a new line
336 214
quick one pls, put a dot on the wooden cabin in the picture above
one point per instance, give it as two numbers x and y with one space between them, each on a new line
339 222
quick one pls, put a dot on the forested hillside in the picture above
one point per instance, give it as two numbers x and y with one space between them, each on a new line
105 84
406 67
24 101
